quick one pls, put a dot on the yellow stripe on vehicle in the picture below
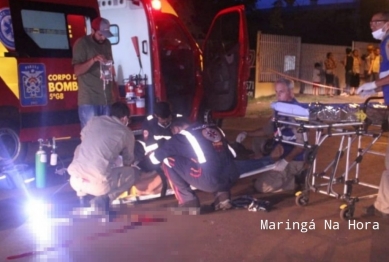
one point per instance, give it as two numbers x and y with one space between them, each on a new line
8 71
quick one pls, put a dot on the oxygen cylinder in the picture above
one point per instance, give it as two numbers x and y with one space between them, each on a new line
53 159
40 168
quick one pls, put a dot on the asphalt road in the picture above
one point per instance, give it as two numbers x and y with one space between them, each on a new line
149 231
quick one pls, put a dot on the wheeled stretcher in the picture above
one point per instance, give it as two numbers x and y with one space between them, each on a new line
352 127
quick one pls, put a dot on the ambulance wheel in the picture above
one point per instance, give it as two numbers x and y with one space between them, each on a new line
346 213
11 148
301 200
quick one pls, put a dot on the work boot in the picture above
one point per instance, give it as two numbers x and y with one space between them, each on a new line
372 211
100 203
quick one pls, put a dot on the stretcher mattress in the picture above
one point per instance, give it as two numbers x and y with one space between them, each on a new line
334 113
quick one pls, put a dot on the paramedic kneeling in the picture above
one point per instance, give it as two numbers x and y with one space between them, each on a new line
94 169
155 131
290 158
379 25
199 156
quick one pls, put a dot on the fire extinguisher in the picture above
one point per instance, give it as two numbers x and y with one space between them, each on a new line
40 166
140 90
130 89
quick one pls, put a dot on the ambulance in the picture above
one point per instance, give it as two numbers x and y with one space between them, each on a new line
155 59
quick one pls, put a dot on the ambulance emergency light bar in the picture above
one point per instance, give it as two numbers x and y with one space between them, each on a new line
156 4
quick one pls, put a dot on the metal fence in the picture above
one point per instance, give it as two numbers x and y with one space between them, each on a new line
277 54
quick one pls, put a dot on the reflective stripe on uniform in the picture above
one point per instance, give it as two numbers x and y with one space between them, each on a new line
148 148
232 151
195 145
221 131
162 137
153 159
166 162
150 117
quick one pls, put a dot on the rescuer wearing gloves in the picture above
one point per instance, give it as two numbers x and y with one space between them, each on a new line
379 25
290 164
199 156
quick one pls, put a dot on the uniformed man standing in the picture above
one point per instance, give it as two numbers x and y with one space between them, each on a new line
199 156
379 25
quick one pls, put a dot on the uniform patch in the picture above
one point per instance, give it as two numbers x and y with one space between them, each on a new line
6 30
212 134
33 86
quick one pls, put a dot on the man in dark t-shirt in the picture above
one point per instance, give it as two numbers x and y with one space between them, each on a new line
89 53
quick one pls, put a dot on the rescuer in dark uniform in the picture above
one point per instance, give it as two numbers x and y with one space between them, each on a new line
199 156
155 131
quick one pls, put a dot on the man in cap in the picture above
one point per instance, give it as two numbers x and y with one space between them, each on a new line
95 93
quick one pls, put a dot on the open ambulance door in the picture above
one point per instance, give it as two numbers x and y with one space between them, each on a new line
226 66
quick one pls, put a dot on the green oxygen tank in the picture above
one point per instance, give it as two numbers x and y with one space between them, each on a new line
40 167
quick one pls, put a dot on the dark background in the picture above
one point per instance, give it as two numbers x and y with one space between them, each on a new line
336 24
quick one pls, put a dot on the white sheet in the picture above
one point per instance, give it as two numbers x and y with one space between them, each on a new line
288 108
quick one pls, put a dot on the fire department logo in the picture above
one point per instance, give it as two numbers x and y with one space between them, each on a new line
6 31
33 87
212 134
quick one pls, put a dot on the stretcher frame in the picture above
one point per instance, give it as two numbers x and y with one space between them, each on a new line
350 132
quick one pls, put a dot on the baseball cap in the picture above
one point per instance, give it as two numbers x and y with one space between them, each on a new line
102 25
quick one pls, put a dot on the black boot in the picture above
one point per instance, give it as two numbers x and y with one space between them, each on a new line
100 204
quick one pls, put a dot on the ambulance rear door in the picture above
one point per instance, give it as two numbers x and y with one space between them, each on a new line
226 67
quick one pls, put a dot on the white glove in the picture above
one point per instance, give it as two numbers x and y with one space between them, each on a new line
280 165
366 87
240 137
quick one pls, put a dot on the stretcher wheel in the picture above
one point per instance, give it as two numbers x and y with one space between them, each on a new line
346 213
301 200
